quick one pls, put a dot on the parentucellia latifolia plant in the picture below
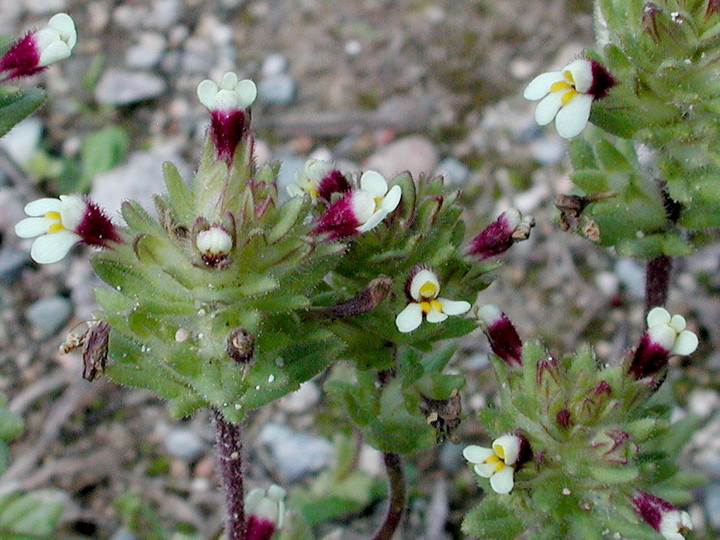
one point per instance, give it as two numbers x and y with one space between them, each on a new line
234 294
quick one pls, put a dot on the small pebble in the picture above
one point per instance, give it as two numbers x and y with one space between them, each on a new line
22 141
121 87
631 276
147 52
712 504
48 315
454 170
184 444
295 454
124 534
302 400
277 90
275 64
12 262
413 153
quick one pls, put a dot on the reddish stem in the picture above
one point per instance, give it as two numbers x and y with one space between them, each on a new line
657 281
229 444
396 503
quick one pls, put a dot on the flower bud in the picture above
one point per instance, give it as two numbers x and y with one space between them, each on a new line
504 339
501 234
615 446
662 516
214 245
548 379
366 300
563 418
594 402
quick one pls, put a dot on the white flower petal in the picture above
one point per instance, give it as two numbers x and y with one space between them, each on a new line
253 498
539 87
54 53
502 481
486 470
657 316
425 275
72 211
671 522
229 81
373 183
41 207
507 447
573 117
214 240
581 71
363 206
33 226
435 316
454 307
678 323
206 92
685 343
64 25
392 199
226 100
50 248
489 314
374 221
477 454
246 92
409 318
662 335
548 108
294 190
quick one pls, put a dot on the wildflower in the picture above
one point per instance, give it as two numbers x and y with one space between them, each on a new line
422 289
359 210
266 512
37 50
61 223
214 245
662 516
501 234
665 335
504 339
499 462
319 179
567 95
228 105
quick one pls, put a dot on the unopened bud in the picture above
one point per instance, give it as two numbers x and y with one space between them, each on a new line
615 446
548 378
510 227
240 345
214 245
504 339
367 299
563 418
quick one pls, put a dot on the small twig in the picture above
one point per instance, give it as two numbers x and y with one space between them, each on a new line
657 281
230 463
396 503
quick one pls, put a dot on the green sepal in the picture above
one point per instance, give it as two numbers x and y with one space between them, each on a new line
16 106
179 195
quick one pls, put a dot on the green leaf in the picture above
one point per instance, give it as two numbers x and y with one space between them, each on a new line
103 150
493 518
17 106
590 181
34 513
581 154
11 425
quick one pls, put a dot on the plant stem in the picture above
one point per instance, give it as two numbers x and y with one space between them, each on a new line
657 281
229 444
396 503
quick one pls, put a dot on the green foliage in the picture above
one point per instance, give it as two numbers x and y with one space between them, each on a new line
596 439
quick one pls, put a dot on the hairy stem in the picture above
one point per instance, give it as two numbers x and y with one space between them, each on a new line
229 444
657 281
396 503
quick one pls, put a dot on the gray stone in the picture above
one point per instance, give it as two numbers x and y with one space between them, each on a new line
22 141
302 400
138 179
295 454
712 504
454 170
48 315
631 276
184 444
198 56
413 153
548 150
277 90
147 52
41 7
124 534
274 64
164 14
122 87
12 262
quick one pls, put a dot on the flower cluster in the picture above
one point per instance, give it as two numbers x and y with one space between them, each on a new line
422 289
37 50
61 223
567 95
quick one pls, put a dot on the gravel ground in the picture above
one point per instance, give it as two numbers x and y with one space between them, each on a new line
428 86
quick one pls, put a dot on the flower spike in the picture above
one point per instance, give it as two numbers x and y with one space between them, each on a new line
37 50
567 95
359 210
666 335
61 223
228 104
422 289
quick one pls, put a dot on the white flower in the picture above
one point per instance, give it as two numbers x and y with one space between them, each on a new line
54 222
308 179
230 95
673 522
374 202
214 242
423 289
567 95
265 506
496 463
56 40
669 332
